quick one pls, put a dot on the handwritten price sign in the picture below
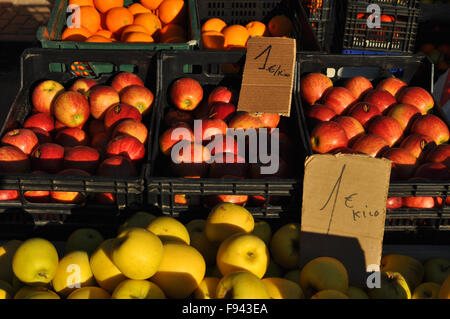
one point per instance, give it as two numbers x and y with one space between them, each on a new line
268 76
344 210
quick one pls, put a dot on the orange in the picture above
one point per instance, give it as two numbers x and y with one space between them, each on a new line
172 31
214 24
151 4
136 8
104 33
236 36
98 38
150 21
257 29
104 5
117 19
213 40
172 11
280 26
81 2
138 37
75 34
133 28
89 18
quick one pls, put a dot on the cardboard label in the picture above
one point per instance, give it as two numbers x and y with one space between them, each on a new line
268 76
344 211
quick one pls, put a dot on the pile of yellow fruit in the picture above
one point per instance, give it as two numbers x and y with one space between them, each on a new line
229 254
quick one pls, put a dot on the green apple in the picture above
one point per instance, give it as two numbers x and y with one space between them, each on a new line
426 290
392 286
263 230
436 270
356 293
285 246
293 275
84 239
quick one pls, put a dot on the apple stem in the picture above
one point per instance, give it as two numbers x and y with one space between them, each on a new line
42 275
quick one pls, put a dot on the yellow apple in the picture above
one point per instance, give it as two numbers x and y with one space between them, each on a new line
169 229
293 275
392 286
263 230
273 269
36 292
323 273
85 239
436 270
6 255
137 253
280 288
181 270
138 219
426 290
241 285
243 251
73 272
89 292
199 241
6 290
410 268
356 293
107 275
444 292
138 289
285 246
207 288
226 219
329 294
35 261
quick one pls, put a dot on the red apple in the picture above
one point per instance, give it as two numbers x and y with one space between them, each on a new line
392 85
174 135
209 128
416 96
327 136
312 87
370 144
43 121
101 98
320 113
22 138
117 166
83 86
69 197
363 112
221 110
138 96
417 144
432 126
403 163
131 127
82 157
186 94
48 157
394 203
71 136
119 112
99 142
269 120
223 144
422 202
386 127
42 135
220 94
13 160
173 117
228 164
71 109
441 154
59 126
244 120
405 114
338 98
96 126
40 196
190 160
201 112
352 127
433 171
358 85
127 146
44 95
380 98
9 195
125 79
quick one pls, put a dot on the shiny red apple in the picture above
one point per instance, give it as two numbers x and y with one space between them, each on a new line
392 85
328 136
405 114
101 98
71 109
48 157
352 127
382 99
370 144
44 95
43 121
22 138
138 96
358 85
432 126
125 79
363 112
186 94
312 87
386 127
416 96
338 98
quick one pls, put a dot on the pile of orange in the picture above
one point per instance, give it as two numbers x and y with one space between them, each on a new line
145 21
217 35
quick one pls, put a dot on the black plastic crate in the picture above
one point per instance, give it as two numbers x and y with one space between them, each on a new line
398 36
206 67
322 17
414 70
58 65
243 12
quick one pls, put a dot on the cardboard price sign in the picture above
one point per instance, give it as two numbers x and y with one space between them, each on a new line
344 211
268 76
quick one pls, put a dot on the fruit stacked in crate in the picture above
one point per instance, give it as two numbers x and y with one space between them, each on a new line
80 128
145 21
387 119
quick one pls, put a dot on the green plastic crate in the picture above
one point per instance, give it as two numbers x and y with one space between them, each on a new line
50 35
